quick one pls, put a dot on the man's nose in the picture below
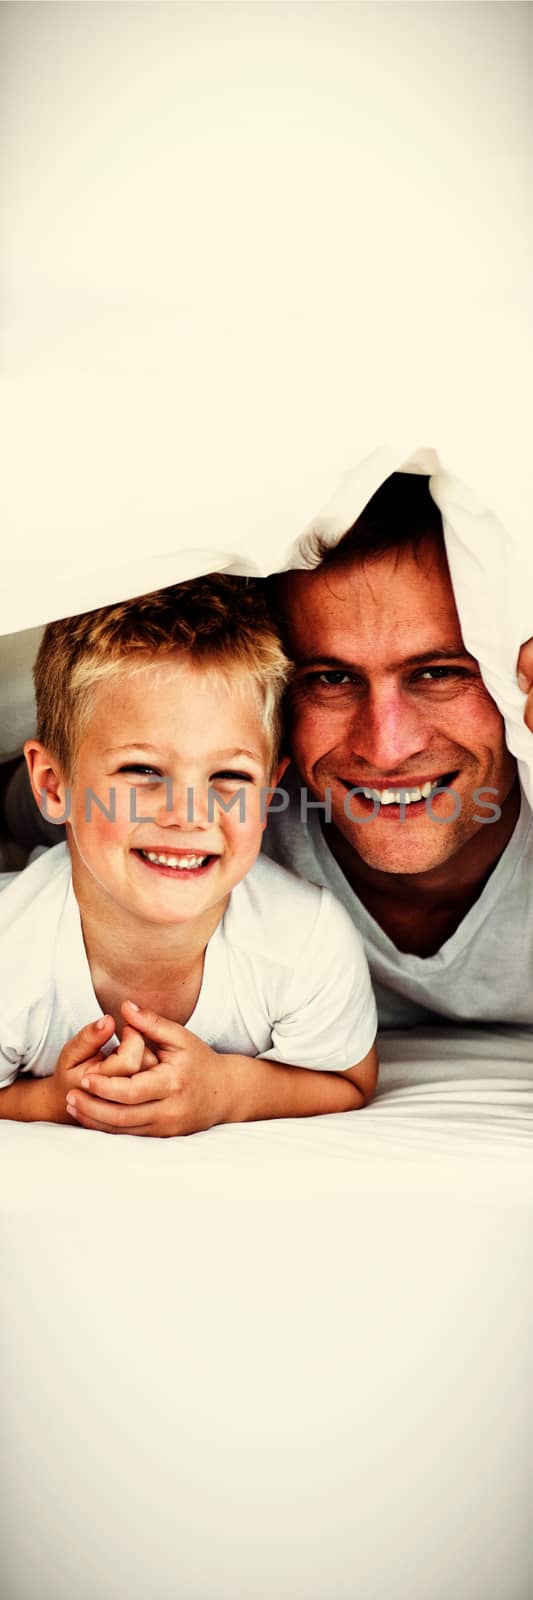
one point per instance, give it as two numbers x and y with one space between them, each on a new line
387 729
185 805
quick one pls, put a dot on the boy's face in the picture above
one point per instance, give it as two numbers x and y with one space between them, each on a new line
157 742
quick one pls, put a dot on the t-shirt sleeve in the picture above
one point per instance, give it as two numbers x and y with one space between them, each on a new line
20 1038
13 1044
329 1020
9 1067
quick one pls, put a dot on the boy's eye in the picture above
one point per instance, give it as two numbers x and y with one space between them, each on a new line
231 777
140 770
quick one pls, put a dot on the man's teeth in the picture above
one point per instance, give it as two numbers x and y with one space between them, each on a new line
162 859
394 797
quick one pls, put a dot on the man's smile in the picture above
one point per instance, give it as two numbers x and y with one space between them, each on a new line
401 793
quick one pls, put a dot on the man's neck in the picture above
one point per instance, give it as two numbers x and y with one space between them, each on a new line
419 911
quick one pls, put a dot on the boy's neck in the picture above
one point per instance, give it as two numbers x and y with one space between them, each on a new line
137 959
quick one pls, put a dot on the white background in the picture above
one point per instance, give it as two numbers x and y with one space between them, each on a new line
242 243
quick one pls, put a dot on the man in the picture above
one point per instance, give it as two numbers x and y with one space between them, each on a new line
386 699
404 797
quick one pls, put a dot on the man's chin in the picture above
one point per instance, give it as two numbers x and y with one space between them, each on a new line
388 849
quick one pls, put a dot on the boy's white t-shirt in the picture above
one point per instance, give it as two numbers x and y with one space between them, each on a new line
285 976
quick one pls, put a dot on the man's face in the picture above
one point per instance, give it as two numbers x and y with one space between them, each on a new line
385 697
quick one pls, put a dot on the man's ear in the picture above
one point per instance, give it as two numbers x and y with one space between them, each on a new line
49 789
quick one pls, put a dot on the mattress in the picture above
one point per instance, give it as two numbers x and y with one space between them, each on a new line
292 1358
286 1358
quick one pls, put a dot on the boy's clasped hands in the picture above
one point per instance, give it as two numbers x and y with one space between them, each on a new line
161 1080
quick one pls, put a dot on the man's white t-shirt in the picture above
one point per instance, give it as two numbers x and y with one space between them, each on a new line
482 974
285 976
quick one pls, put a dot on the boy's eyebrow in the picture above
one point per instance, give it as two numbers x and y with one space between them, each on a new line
226 755
113 749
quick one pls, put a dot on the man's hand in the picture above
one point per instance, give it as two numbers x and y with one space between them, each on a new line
525 679
187 1090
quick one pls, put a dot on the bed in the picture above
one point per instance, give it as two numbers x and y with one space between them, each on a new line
285 1359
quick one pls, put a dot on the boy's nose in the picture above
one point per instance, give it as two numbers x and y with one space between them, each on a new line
184 806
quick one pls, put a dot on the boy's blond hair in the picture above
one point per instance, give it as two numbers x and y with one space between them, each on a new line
217 622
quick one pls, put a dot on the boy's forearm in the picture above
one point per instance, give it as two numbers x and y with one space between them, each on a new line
29 1100
264 1089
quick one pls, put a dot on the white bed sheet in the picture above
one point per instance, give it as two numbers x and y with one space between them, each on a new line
288 1359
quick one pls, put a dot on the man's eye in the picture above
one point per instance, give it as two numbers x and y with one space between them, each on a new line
334 678
330 678
440 674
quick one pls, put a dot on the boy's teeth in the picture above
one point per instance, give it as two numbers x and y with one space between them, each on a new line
394 797
162 859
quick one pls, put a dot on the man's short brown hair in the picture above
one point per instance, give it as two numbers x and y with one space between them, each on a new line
399 515
219 623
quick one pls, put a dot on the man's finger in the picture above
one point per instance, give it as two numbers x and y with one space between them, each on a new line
525 680
525 666
158 1030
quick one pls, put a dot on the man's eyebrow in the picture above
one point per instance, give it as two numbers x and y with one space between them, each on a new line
447 652
325 661
444 652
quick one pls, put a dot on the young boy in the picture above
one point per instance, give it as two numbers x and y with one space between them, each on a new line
157 977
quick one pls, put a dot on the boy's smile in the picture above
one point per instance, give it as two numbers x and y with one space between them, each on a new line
146 831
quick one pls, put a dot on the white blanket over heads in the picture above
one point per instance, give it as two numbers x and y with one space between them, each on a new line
491 564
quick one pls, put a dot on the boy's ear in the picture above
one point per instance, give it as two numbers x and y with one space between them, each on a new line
281 767
48 785
276 775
